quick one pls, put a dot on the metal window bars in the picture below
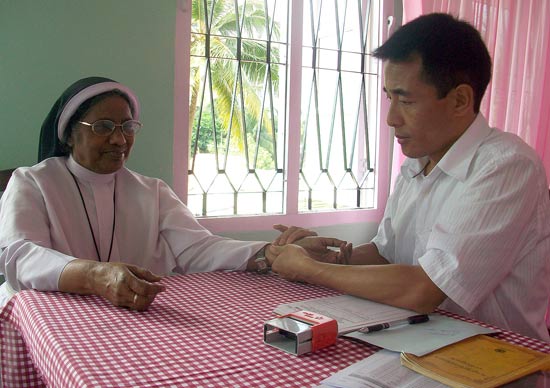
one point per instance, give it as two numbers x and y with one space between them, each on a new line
238 107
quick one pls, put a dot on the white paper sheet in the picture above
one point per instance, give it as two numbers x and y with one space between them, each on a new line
381 370
422 338
350 312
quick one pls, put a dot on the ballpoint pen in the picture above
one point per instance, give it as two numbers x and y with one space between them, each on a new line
407 321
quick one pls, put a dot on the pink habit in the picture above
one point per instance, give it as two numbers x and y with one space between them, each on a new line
44 226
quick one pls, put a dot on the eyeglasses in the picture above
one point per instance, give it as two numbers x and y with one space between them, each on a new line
107 127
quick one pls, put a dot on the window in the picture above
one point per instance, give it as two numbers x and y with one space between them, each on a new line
283 111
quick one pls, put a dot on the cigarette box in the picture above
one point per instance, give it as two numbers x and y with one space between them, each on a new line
300 332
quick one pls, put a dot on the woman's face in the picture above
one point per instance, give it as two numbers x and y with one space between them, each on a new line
102 154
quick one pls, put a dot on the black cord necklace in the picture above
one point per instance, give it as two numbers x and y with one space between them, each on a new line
90 224
423 170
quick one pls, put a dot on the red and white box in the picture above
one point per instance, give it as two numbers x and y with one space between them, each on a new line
300 332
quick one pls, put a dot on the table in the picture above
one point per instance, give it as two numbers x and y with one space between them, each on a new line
205 330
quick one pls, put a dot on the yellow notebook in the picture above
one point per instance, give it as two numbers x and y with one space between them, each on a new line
480 362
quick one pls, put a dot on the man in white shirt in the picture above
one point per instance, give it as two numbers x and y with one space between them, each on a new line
467 227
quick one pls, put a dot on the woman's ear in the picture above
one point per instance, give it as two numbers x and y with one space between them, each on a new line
68 140
464 99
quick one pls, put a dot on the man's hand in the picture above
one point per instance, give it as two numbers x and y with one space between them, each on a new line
294 263
291 234
290 261
316 247
121 284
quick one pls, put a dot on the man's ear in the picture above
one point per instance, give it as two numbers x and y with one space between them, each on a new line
464 99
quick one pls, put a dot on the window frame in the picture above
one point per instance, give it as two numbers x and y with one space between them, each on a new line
291 216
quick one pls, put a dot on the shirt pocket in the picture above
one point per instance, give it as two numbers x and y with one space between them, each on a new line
420 243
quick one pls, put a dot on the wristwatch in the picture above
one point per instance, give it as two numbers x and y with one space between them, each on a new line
262 266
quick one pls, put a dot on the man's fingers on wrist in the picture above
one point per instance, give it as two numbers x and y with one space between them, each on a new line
307 233
334 242
299 235
294 237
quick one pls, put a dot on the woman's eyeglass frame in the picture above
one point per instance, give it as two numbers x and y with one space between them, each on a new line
109 124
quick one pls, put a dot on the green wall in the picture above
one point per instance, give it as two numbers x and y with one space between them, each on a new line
47 45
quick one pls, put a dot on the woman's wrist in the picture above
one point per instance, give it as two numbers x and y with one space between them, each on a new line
259 262
78 277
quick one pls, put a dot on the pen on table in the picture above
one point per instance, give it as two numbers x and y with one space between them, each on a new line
407 321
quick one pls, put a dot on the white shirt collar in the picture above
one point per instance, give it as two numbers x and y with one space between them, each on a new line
456 162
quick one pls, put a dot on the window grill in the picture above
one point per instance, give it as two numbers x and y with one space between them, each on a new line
238 106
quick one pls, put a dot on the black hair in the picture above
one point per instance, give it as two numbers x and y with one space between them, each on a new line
85 108
451 50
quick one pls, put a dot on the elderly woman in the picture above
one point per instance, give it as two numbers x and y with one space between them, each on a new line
79 221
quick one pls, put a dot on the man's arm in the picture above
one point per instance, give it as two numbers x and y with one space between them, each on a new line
398 285
317 247
366 254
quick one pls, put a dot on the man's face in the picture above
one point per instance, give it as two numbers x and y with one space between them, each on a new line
424 124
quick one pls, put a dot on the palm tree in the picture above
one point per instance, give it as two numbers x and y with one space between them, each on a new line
231 71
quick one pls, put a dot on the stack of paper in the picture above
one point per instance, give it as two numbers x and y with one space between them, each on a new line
353 313
444 349
350 312
423 338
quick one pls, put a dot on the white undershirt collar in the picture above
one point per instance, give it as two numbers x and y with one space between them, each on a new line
84 174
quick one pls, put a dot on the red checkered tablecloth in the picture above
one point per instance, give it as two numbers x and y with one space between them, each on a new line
205 330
